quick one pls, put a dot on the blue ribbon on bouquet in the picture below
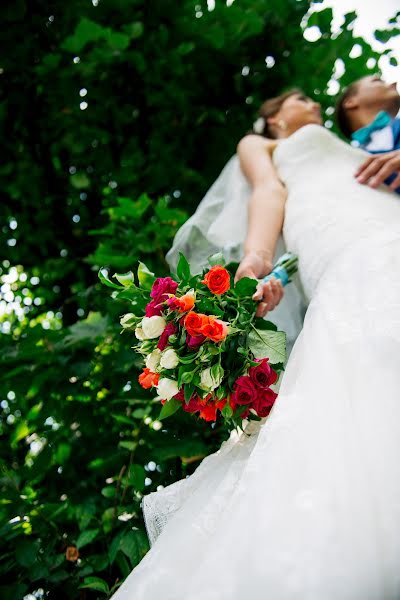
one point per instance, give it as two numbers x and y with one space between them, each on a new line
284 268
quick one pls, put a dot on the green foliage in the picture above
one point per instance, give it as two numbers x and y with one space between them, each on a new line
108 184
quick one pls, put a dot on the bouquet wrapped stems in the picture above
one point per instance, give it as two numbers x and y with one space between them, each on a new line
285 267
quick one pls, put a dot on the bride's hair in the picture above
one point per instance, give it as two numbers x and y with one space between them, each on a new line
270 107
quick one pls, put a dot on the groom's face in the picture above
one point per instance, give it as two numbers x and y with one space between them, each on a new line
373 92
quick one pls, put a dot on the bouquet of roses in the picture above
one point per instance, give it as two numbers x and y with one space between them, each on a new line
204 350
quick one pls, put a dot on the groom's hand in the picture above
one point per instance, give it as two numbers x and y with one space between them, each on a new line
268 294
378 167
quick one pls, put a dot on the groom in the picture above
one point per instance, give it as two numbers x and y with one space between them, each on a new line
367 113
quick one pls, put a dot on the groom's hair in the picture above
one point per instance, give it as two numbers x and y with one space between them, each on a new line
343 116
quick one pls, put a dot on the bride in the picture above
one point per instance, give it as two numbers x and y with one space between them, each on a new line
305 505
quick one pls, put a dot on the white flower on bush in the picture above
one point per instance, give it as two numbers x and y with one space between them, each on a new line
211 378
153 360
169 359
153 326
140 334
124 320
167 388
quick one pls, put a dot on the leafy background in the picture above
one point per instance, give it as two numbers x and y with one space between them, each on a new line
116 117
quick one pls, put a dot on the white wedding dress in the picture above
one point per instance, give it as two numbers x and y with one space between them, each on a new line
306 507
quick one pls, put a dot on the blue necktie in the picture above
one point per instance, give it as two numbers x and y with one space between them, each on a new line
363 135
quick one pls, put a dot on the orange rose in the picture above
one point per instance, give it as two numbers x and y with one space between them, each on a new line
218 280
194 323
185 303
72 553
215 330
148 379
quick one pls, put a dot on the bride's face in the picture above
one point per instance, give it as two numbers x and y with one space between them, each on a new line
296 111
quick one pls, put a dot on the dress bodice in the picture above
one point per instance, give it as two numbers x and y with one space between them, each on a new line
327 210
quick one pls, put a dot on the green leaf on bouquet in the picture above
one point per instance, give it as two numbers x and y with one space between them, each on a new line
227 411
104 278
185 374
169 408
183 268
188 359
188 392
145 276
125 279
268 344
246 287
128 293
217 259
261 323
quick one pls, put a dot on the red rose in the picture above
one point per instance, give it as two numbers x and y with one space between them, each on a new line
170 329
245 413
153 308
218 280
192 406
244 391
263 375
162 287
264 402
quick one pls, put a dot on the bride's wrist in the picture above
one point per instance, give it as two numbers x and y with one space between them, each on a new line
263 256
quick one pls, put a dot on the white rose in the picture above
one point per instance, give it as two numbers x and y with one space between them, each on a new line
167 388
124 320
153 326
153 360
140 333
169 359
208 383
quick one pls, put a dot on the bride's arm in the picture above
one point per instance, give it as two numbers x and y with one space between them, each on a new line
265 218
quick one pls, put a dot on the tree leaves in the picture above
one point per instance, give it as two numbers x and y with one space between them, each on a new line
88 31
86 537
95 583
89 329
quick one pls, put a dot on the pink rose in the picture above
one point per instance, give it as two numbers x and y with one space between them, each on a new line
244 391
263 375
170 329
162 287
195 341
264 402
